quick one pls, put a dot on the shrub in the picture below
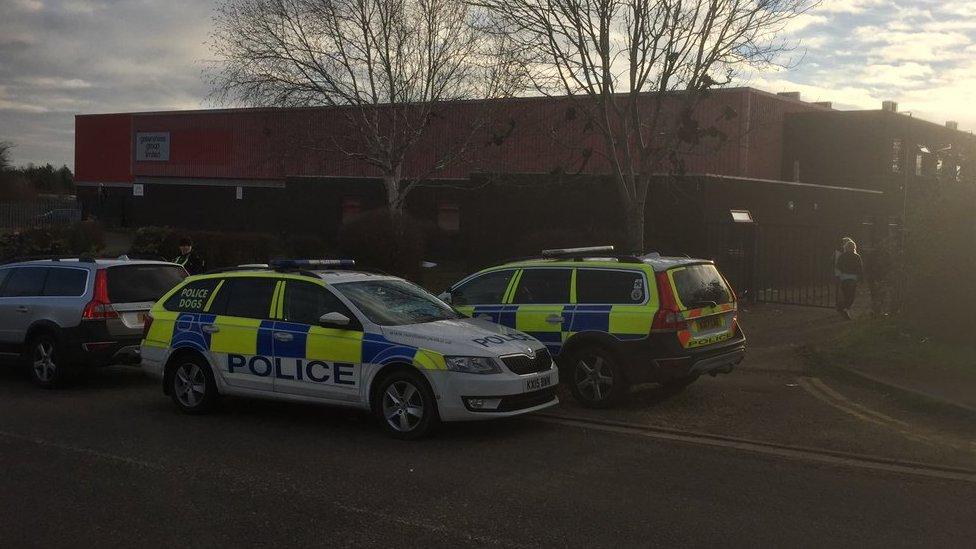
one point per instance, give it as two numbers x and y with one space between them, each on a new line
224 249
938 264
85 238
375 240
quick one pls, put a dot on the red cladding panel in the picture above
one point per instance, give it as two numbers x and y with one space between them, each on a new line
103 146
526 135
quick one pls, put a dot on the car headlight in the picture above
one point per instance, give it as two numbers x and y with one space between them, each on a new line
472 364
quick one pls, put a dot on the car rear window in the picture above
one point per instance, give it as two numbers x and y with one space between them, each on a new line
700 286
193 297
65 282
139 283
603 286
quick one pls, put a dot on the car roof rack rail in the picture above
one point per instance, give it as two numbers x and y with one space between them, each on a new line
48 257
591 252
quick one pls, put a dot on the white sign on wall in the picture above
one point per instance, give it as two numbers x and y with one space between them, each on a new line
138 189
152 146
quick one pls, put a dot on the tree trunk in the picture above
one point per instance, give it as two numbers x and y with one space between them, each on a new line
634 212
391 182
633 189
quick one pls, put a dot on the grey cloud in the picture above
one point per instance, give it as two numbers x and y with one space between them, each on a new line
58 59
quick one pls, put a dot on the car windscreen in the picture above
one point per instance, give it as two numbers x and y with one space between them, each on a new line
141 283
700 286
395 302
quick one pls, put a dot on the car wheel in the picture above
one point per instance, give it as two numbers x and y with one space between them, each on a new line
45 362
192 386
405 405
596 377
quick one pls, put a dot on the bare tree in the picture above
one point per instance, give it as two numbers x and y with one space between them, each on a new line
639 68
385 64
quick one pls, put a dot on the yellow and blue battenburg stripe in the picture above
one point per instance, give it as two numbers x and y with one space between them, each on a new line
256 337
624 322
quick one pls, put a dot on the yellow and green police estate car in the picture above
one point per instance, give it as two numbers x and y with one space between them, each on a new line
316 331
613 320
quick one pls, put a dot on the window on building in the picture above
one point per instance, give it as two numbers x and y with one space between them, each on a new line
896 156
448 216
796 170
352 207
919 164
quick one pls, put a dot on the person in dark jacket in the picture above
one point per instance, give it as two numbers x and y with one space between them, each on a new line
850 271
189 259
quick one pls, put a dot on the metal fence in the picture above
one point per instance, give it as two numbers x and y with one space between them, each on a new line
39 213
794 265
768 263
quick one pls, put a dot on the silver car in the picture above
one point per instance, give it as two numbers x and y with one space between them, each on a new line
62 315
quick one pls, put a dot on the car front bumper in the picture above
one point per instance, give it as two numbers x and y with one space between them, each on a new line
463 397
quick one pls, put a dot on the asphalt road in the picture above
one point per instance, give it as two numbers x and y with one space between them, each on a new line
110 462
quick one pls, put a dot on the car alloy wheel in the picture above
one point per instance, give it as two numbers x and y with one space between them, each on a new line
44 365
594 378
190 385
403 406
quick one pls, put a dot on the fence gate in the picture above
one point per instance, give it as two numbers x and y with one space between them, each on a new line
794 265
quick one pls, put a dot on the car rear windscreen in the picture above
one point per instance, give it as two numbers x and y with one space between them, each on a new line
138 283
700 286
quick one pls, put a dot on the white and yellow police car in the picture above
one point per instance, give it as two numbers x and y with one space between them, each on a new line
318 331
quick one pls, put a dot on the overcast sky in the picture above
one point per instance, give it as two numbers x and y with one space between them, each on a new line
60 58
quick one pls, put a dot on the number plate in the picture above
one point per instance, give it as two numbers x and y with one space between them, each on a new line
538 383
710 323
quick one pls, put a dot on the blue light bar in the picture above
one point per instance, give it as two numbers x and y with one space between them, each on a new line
300 263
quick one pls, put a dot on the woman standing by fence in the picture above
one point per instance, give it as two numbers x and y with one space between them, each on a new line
849 271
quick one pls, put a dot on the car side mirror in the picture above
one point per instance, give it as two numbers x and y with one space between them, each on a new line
446 297
334 320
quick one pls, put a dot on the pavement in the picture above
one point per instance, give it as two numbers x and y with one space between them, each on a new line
778 328
778 453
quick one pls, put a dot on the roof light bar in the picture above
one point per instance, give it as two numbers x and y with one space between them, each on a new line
563 252
300 263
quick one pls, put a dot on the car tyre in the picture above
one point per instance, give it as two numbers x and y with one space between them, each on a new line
596 377
405 406
192 385
45 361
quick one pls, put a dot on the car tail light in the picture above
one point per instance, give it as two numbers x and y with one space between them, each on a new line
100 307
668 315
146 324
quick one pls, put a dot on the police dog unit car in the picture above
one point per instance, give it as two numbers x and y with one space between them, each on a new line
343 337
613 320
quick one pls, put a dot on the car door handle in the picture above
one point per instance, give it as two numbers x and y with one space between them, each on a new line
554 319
210 328
283 337
22 309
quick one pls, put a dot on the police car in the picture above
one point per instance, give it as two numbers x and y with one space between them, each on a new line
613 320
317 331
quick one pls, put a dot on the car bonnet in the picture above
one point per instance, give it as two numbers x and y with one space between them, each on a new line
464 337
